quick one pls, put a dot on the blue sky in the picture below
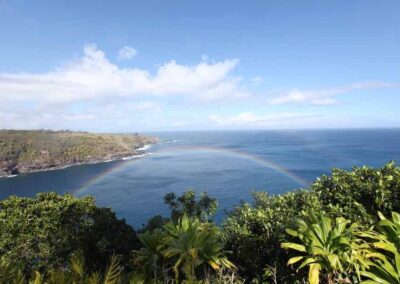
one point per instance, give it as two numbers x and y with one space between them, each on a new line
118 66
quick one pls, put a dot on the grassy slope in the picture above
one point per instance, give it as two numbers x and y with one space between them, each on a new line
35 150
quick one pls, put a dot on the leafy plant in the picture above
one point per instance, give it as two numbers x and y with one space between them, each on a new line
74 272
189 247
255 231
39 235
114 271
325 247
193 244
384 264
149 259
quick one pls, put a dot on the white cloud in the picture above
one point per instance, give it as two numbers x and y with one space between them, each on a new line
50 119
256 80
249 119
95 77
126 53
326 96
94 93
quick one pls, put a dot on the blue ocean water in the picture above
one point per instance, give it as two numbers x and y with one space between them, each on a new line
229 165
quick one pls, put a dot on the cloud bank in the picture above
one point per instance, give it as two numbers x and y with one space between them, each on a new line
94 77
93 93
247 119
326 97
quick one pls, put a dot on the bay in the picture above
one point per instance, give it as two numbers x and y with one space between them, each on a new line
228 165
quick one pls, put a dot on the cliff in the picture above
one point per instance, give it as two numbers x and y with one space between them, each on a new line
29 151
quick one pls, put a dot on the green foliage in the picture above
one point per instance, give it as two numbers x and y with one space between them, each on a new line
360 193
113 272
186 204
154 223
325 247
193 244
41 233
11 274
74 272
149 259
189 247
254 232
384 264
390 228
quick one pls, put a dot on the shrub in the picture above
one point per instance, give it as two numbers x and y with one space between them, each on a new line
254 232
360 193
43 232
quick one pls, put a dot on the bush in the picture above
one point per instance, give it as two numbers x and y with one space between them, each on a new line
360 193
41 233
254 232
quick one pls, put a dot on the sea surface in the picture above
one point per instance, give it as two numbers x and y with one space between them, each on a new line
229 165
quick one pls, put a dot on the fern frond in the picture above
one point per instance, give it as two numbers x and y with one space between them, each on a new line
114 271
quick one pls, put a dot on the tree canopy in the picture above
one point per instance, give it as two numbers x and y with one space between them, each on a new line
342 229
42 232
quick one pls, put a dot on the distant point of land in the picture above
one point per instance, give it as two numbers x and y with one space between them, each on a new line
23 151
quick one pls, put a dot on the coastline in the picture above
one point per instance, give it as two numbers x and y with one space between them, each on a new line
137 153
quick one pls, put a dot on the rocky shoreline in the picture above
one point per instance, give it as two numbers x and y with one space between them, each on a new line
45 168
36 151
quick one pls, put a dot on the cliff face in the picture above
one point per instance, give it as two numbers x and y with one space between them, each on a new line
27 151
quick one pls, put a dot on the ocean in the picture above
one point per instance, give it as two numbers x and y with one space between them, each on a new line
228 165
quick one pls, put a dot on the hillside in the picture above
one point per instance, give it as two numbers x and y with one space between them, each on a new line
28 151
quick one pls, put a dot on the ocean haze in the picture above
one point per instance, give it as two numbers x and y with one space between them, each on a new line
229 165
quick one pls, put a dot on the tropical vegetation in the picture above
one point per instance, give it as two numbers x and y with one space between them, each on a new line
345 228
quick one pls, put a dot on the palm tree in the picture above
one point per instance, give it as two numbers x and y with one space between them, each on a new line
326 248
192 244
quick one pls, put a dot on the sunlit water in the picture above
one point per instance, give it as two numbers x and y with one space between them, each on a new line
228 165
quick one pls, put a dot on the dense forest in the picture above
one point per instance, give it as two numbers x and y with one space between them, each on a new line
342 229
24 151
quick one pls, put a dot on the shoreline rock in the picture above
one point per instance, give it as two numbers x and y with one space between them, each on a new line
61 167
37 151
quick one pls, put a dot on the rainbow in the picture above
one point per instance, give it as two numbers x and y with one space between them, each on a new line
183 150
117 167
237 154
